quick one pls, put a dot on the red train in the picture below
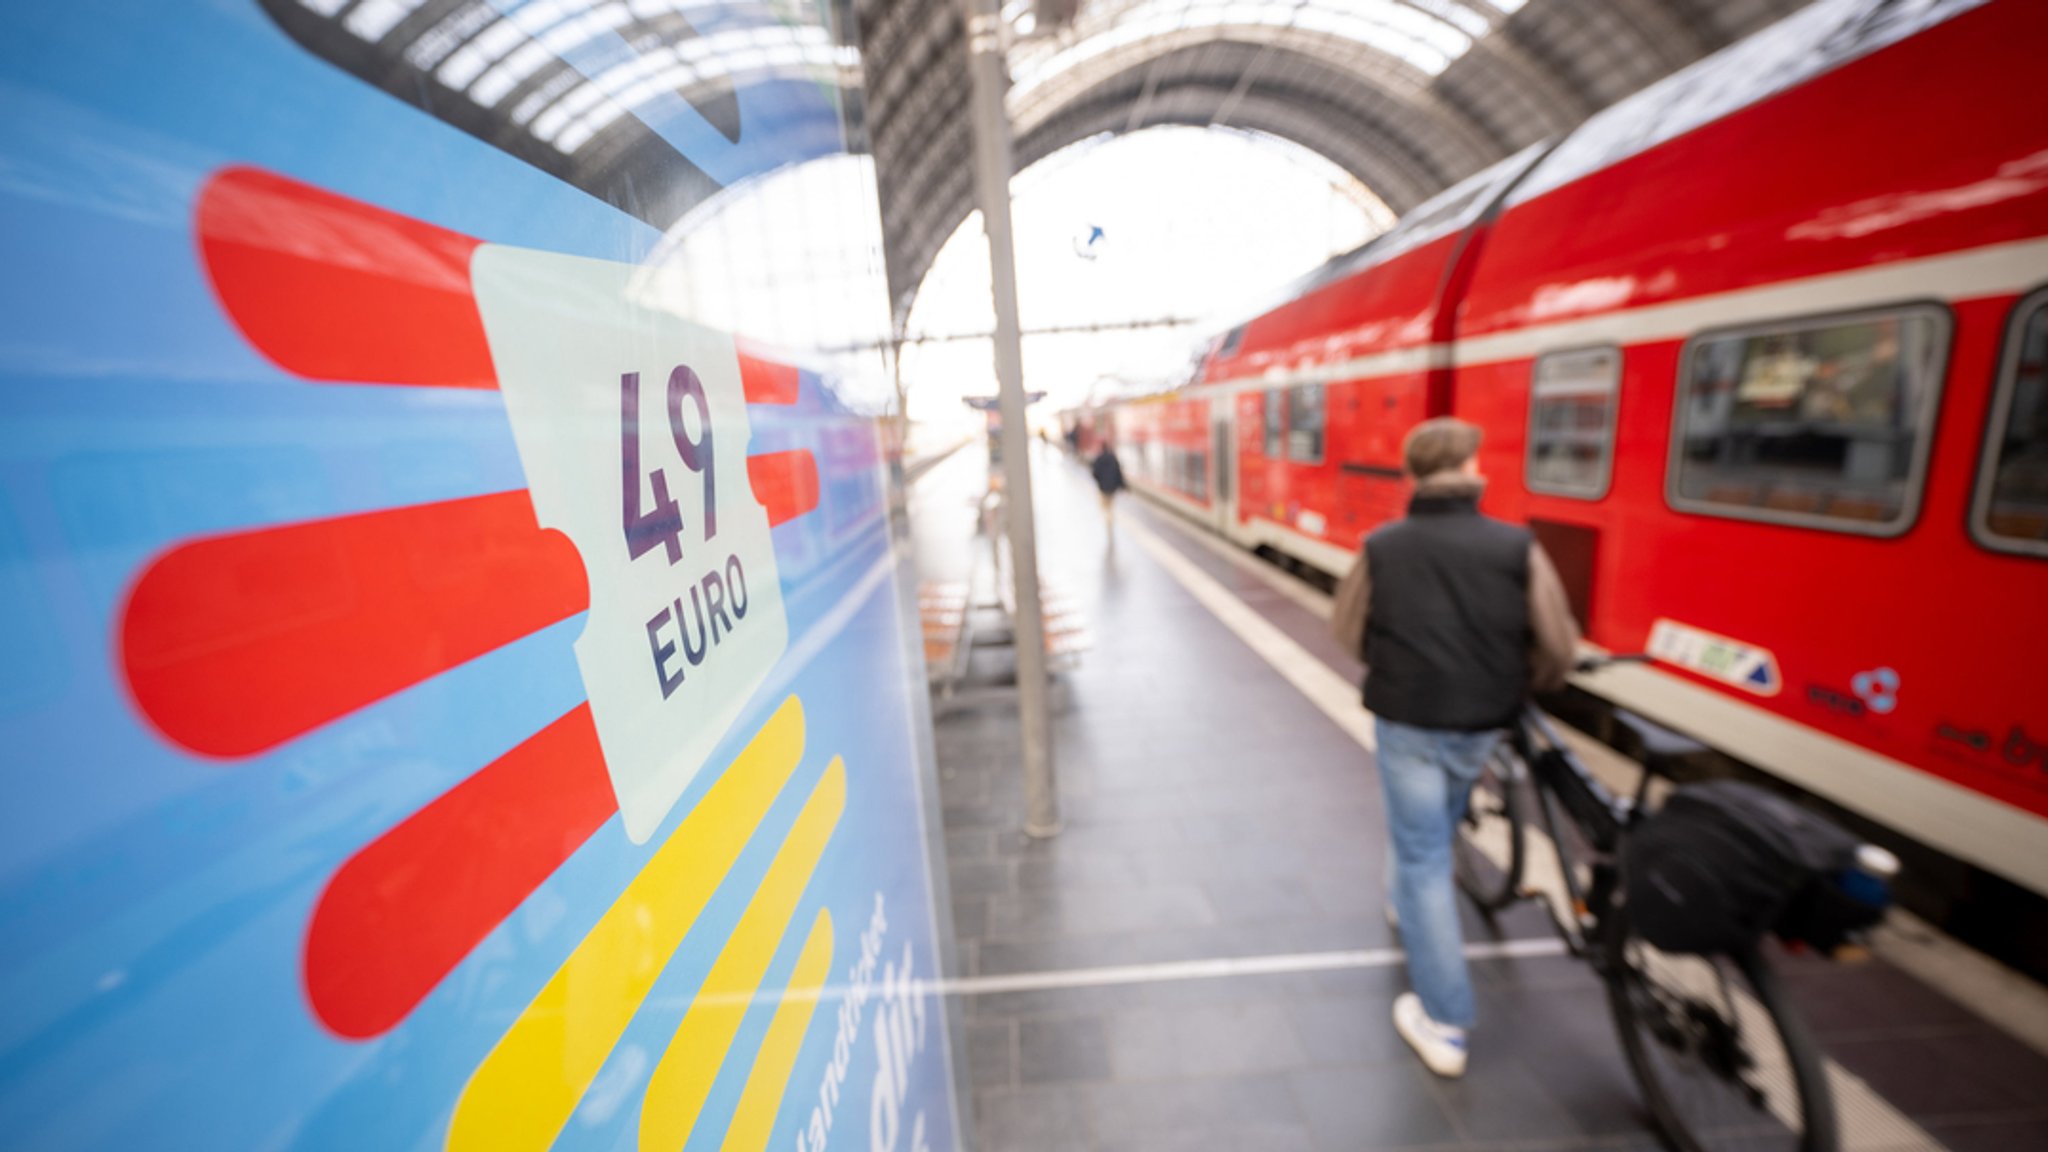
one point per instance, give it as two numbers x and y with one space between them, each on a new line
1759 354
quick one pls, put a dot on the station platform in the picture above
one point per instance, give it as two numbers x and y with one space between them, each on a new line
1200 959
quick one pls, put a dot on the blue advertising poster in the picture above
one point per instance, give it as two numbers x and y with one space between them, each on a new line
454 695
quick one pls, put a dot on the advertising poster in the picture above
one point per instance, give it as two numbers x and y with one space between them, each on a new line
454 696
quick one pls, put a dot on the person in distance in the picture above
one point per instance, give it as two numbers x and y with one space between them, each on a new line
1109 478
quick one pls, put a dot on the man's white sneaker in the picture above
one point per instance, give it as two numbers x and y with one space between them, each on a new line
1441 1046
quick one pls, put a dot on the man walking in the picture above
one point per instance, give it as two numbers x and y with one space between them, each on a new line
1109 477
1464 615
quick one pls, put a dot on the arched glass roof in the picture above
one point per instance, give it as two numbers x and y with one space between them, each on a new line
1409 96
639 101
1425 34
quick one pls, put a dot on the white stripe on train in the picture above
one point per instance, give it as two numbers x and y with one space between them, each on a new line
1996 270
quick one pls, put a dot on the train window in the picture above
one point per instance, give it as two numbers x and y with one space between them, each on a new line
1820 422
1305 423
1275 430
1571 421
2011 509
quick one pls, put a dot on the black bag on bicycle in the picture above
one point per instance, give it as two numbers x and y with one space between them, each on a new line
1724 862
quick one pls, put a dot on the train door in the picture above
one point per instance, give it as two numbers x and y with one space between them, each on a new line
1223 451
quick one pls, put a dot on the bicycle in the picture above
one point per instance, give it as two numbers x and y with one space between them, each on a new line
1722 1060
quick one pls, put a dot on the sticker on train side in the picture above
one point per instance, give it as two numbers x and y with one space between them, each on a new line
1746 666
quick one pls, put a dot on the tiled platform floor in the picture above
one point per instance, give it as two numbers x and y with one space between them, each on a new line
1212 811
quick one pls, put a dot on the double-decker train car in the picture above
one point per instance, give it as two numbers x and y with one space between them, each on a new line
1759 354
454 694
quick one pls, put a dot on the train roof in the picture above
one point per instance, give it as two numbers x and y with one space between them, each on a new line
1450 211
1814 40
1823 36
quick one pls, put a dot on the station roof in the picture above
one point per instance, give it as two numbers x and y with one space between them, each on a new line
1409 96
637 101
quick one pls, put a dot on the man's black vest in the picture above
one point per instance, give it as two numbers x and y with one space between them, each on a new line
1447 632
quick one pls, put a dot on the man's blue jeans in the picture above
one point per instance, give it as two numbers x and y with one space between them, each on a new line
1426 775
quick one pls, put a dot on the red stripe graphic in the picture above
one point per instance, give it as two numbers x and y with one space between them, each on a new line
235 644
334 289
767 382
786 483
404 911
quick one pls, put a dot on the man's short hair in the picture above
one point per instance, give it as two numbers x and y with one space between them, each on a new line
1439 445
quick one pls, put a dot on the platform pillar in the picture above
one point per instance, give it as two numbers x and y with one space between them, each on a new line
992 182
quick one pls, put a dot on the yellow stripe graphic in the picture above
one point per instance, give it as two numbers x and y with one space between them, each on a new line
526 1089
761 1102
681 1082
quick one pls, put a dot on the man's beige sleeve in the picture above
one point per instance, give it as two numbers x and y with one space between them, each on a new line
1550 617
1364 601
1351 604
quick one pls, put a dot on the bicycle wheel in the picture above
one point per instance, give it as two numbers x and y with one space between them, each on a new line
1723 1061
1487 855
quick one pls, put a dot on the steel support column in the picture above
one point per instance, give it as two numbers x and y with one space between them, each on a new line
992 181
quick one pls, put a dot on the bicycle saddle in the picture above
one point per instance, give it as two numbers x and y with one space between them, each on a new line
1656 741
